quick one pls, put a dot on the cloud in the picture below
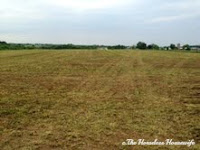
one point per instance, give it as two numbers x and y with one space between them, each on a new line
14 11
84 5
174 18
94 21
27 10
179 10
181 5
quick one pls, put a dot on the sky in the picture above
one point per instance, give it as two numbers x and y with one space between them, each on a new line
104 22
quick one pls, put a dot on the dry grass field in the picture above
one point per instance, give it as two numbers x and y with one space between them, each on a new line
95 100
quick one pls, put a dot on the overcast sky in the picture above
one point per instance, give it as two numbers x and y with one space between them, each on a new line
100 21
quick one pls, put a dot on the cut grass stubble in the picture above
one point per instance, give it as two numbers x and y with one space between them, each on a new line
98 99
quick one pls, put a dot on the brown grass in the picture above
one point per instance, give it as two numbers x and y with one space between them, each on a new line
91 100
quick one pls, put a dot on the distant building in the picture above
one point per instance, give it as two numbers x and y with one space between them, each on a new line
195 47
102 48
179 46
130 47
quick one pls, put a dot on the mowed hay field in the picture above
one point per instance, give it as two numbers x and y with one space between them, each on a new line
95 100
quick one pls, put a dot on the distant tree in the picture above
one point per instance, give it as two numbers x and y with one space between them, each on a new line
141 45
173 46
3 42
3 45
133 47
117 47
166 48
153 46
150 46
186 47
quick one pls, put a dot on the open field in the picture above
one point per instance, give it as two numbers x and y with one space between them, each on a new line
95 100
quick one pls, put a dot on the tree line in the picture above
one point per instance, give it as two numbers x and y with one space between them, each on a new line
143 45
11 46
140 45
